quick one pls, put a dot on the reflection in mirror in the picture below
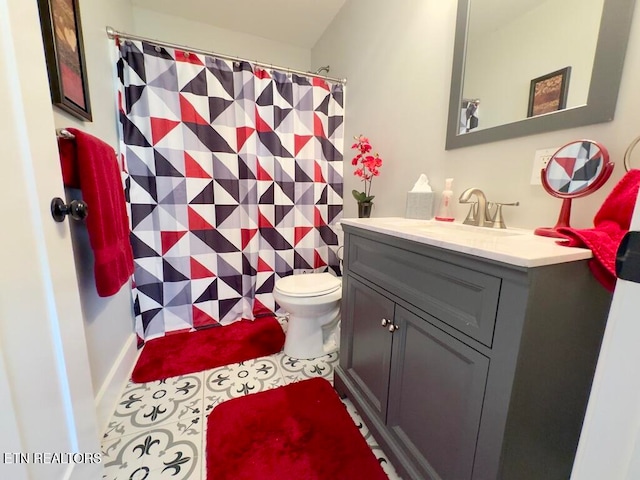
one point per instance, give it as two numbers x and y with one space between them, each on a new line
509 47
575 170
503 48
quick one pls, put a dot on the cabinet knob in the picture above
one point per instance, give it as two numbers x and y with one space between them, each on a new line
385 322
393 328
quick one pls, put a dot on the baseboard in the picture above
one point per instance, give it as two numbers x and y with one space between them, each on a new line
117 378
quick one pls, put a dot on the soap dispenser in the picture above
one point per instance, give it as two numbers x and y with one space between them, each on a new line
445 211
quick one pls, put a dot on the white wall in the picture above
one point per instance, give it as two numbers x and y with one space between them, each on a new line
397 59
108 321
501 64
180 31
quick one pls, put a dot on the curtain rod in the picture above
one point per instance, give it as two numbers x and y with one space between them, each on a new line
111 33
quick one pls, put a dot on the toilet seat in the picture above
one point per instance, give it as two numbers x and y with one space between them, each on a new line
308 285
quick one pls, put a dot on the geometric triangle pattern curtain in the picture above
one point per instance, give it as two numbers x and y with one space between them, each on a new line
234 180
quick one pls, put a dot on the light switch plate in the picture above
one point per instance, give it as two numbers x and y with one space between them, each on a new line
539 162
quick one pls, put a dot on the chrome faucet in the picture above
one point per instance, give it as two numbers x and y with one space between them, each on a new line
479 214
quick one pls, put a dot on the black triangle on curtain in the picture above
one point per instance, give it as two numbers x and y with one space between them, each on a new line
221 71
265 99
164 167
140 211
197 85
132 135
205 196
140 248
209 137
209 294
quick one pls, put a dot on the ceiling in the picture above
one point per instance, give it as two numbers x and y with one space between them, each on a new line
295 22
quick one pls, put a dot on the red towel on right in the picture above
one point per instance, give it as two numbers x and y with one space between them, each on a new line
610 224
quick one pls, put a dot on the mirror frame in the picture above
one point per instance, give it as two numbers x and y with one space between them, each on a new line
603 90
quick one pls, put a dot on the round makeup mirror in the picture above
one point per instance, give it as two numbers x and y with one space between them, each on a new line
575 170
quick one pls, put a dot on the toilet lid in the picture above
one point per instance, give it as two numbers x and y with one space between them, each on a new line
309 284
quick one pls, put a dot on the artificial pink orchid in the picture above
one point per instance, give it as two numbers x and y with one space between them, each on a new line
367 167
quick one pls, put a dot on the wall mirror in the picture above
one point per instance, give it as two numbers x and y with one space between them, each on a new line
565 57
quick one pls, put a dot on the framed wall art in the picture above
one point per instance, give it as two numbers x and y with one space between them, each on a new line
64 52
548 93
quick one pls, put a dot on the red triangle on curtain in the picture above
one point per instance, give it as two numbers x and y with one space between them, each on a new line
189 114
263 266
263 222
318 82
317 260
318 221
300 141
201 318
242 133
259 309
169 239
300 233
160 127
261 73
193 169
317 173
196 222
261 125
187 57
262 174
200 271
318 129
247 234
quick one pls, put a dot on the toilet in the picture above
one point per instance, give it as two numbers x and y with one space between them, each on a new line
312 301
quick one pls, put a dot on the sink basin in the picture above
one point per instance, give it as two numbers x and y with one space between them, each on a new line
448 229
457 228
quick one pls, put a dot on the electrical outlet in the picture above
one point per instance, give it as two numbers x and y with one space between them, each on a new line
539 162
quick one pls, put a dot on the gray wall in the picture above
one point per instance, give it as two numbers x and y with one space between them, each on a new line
397 58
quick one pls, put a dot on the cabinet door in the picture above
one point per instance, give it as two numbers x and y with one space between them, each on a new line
436 390
366 344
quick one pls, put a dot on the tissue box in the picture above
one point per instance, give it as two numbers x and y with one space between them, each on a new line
419 205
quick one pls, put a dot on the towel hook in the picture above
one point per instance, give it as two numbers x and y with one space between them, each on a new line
627 153
77 209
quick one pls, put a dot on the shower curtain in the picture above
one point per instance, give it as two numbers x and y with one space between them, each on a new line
233 180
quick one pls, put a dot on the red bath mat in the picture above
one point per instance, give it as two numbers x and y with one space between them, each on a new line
298 432
191 352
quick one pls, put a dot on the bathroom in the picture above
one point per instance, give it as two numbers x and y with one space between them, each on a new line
397 59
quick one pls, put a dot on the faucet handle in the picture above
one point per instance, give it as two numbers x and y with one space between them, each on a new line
498 219
472 216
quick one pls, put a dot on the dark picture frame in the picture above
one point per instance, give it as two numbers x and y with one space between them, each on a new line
64 53
548 93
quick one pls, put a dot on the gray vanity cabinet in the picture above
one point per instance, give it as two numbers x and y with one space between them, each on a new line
370 355
464 368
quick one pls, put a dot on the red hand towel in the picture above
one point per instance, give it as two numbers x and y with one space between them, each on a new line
610 225
91 165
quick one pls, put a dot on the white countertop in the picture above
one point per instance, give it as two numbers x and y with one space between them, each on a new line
513 246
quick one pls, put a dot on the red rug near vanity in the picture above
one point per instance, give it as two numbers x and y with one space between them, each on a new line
191 352
299 431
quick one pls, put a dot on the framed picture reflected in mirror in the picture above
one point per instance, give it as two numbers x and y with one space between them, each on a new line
548 93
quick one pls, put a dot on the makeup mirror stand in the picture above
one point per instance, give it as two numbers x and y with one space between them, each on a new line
561 179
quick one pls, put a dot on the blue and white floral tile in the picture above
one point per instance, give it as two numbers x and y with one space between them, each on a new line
239 379
145 405
171 451
295 370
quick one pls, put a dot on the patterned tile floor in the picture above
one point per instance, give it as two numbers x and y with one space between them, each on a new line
158 429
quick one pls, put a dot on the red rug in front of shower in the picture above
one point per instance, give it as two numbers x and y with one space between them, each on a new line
190 352
301 431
